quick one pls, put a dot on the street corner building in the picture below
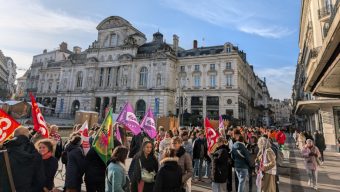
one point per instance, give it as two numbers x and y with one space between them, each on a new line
121 65
316 89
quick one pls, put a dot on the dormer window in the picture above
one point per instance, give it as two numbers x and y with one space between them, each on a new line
113 40
228 65
228 50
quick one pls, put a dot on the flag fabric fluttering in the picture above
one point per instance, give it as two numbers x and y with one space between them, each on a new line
220 122
148 124
103 142
7 126
38 120
128 119
118 135
211 135
84 132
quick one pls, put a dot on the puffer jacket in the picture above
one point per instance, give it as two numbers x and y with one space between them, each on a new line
185 162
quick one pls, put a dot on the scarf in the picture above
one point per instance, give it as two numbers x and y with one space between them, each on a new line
47 155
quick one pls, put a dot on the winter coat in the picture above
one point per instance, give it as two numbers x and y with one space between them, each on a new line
240 155
26 164
94 166
50 169
169 177
185 162
150 164
198 145
253 151
220 164
270 162
280 138
75 167
310 159
115 179
320 141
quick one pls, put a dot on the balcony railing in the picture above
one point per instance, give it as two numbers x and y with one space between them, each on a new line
325 11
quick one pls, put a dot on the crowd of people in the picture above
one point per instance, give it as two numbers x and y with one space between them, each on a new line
170 162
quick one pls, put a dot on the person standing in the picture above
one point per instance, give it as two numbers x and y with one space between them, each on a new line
219 166
280 138
165 143
94 166
302 140
310 153
169 176
136 143
26 163
184 161
319 140
116 175
268 165
199 153
144 161
50 163
75 166
241 158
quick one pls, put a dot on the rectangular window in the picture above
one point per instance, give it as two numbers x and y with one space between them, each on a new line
101 77
50 87
197 80
197 67
182 68
42 88
212 66
228 49
229 80
57 87
228 65
212 80
108 77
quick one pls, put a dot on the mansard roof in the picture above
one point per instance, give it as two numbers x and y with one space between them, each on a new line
201 51
153 46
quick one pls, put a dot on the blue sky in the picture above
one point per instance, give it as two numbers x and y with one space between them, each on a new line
267 30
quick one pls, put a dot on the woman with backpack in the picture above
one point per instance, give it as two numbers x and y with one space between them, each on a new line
143 169
169 177
116 174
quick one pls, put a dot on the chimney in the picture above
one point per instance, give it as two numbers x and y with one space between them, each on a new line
45 51
63 47
175 43
76 49
195 44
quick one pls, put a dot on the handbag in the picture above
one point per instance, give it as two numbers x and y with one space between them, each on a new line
147 177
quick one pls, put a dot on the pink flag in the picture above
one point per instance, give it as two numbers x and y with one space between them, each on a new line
85 137
148 124
118 136
128 119
220 123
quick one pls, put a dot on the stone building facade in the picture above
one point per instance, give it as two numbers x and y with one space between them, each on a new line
316 89
7 76
122 66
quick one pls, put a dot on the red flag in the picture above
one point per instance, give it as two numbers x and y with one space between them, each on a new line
211 135
7 126
38 119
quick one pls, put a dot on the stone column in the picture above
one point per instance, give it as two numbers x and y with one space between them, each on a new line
204 114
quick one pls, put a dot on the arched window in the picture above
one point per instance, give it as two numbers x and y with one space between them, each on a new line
79 79
159 80
143 77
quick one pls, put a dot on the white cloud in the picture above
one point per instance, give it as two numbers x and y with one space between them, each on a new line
231 14
278 80
27 27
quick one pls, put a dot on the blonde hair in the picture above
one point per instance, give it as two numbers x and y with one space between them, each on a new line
263 143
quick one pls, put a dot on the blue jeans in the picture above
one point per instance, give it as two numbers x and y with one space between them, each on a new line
207 169
219 187
198 167
242 175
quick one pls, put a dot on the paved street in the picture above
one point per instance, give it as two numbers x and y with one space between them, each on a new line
293 175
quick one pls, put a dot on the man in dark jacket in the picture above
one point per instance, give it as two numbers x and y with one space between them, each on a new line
319 140
219 166
241 158
26 162
199 153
